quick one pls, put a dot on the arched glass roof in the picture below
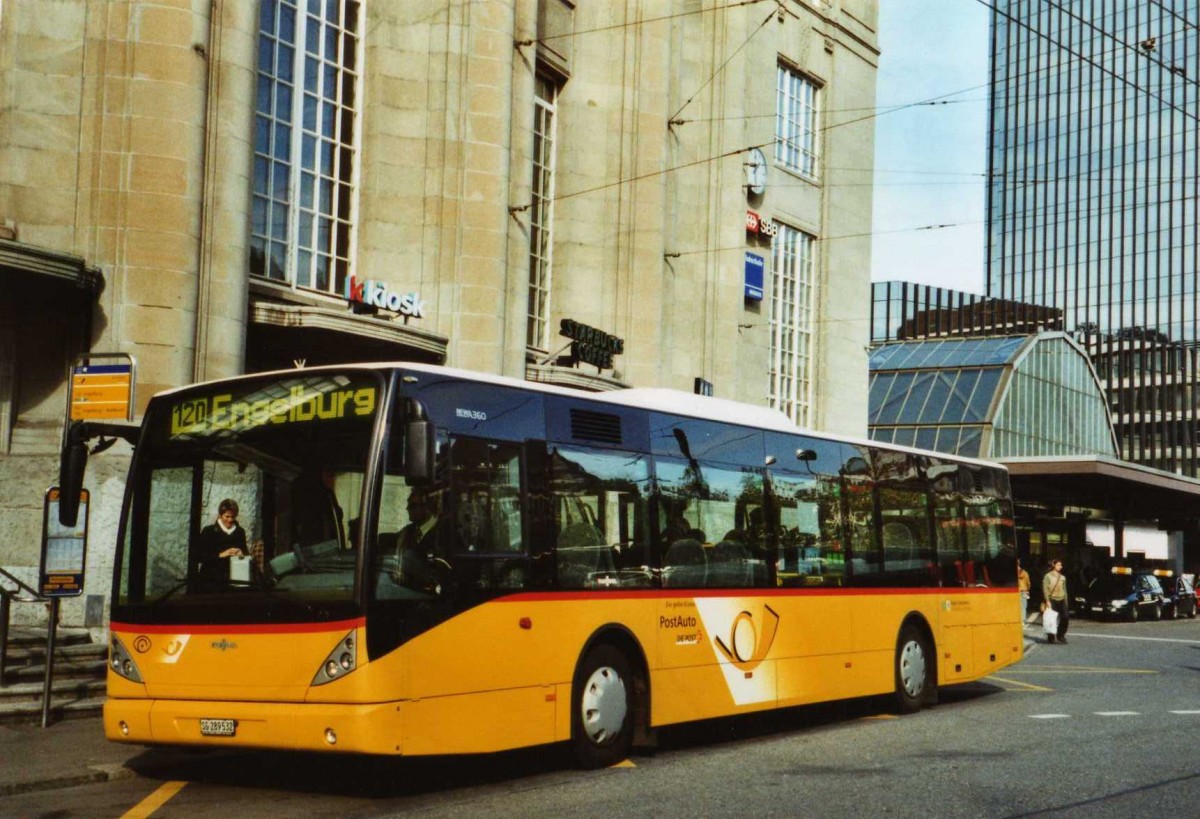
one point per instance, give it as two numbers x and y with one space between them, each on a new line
989 397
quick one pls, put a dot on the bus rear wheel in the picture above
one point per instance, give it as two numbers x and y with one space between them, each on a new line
913 670
602 708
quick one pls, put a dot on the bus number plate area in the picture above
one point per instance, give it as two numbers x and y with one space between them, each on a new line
218 727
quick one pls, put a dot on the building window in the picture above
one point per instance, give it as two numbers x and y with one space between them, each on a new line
305 142
541 221
791 322
796 137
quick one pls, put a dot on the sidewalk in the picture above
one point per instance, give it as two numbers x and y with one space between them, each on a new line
68 753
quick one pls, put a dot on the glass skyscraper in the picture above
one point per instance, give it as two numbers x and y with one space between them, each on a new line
1094 197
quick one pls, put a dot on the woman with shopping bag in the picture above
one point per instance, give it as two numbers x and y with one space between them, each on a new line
1054 605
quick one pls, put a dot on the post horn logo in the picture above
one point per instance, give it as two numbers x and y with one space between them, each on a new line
748 646
141 644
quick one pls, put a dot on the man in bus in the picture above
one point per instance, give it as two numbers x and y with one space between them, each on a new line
417 547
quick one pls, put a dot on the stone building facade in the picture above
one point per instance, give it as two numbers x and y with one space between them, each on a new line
217 187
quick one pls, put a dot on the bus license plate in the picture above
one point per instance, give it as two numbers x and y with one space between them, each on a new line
218 727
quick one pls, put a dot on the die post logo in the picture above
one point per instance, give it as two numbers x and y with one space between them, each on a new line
747 645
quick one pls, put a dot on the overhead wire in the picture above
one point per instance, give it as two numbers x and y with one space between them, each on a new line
876 112
647 21
995 9
672 120
1144 53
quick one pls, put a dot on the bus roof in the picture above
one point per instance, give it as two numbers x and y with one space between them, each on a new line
658 399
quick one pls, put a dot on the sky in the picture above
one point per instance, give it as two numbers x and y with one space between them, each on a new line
930 160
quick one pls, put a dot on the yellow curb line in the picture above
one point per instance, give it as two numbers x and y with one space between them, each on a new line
154 801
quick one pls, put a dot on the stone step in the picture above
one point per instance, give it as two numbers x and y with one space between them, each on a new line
61 690
72 668
31 710
29 637
28 655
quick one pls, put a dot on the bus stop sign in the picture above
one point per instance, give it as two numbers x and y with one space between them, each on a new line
64 549
101 388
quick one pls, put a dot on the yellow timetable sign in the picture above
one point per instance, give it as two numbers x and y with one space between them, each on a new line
101 391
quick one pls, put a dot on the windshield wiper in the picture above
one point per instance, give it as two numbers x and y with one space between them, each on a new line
180 582
273 593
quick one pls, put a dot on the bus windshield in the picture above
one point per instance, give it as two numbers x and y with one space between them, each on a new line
246 500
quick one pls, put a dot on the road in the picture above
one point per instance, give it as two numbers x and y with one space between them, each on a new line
1108 725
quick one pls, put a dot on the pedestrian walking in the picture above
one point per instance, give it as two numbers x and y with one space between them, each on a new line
1023 589
1054 593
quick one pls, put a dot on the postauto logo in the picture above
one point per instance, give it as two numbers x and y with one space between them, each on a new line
743 638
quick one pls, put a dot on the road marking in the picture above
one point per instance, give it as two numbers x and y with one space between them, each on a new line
1023 686
1185 712
1077 669
627 763
1127 637
1116 713
1049 716
154 801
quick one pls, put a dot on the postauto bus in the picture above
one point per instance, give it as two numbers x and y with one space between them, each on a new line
446 562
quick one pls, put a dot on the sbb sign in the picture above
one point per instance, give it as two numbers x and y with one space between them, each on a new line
760 224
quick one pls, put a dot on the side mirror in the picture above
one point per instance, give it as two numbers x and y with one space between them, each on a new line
420 438
71 466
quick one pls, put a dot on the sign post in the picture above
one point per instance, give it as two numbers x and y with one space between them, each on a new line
61 573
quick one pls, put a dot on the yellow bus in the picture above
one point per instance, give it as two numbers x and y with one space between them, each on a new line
441 562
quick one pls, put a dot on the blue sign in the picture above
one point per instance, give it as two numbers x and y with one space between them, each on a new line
754 277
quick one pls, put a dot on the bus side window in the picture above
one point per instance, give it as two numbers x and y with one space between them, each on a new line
598 500
907 552
486 541
947 522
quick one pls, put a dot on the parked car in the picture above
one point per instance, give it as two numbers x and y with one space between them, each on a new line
1123 593
1179 596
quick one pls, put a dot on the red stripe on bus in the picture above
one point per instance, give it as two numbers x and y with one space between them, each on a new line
241 628
651 594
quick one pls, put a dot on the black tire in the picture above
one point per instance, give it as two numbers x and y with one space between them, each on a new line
1174 611
1157 612
602 708
1192 613
913 670
1133 613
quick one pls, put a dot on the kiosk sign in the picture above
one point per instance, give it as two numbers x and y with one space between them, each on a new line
64 548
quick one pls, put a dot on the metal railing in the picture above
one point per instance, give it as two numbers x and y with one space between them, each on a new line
24 593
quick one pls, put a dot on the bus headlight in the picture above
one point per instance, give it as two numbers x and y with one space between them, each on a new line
121 662
339 662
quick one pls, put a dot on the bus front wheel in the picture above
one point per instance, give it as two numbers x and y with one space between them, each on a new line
913 670
602 713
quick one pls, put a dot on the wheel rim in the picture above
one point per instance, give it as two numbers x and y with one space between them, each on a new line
912 668
603 705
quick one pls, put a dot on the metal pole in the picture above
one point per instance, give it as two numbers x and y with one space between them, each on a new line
50 634
5 606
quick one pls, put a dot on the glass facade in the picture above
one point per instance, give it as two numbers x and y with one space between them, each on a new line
997 397
1094 198
903 311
